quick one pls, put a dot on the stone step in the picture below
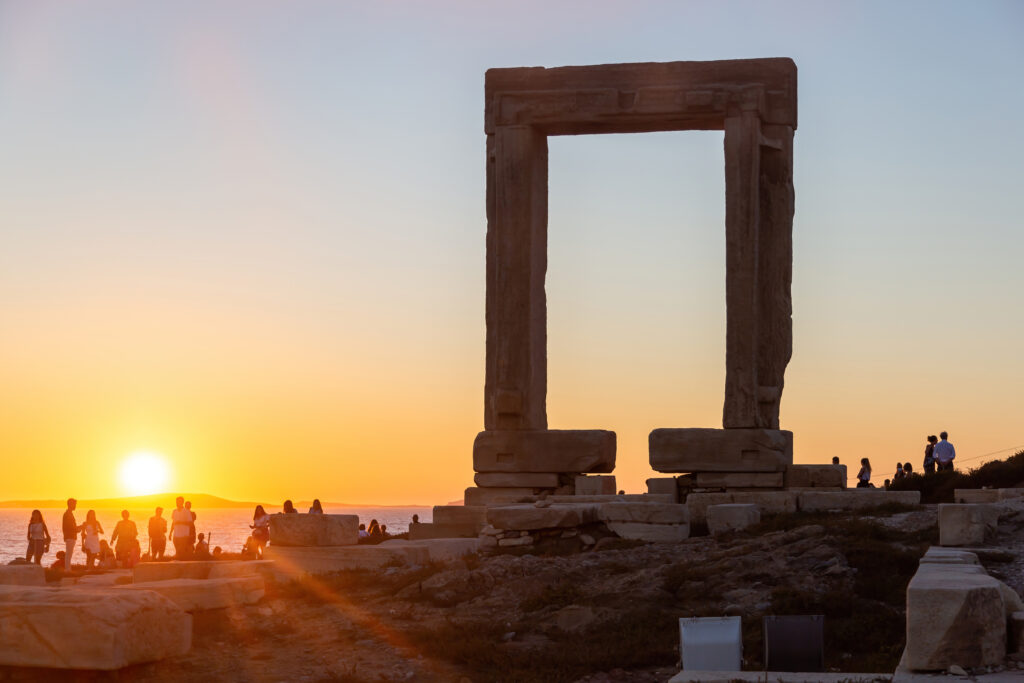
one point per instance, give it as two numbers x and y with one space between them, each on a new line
768 502
427 530
649 513
624 498
199 569
855 499
531 517
200 594
294 561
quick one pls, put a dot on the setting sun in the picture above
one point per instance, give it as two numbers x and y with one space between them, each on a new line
144 472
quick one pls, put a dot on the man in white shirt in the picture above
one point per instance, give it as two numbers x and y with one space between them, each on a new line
943 453
181 530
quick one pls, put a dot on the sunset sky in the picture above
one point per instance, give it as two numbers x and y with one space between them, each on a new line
249 237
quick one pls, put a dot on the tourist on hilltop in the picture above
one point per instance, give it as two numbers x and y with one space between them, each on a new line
105 559
363 533
908 469
317 509
929 455
71 529
944 453
38 538
181 522
202 548
289 508
864 476
124 537
899 472
260 530
835 459
157 534
191 524
91 530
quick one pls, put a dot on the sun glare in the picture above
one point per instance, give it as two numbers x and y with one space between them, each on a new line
144 472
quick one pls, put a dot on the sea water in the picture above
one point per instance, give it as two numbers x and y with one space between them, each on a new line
226 527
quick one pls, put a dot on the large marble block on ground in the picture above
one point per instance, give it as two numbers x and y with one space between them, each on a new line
552 450
767 502
968 525
652 533
294 561
663 486
855 499
720 450
540 480
731 517
89 628
22 575
954 617
478 497
739 480
460 514
816 476
306 530
199 569
531 517
597 485
428 530
649 513
200 594
970 496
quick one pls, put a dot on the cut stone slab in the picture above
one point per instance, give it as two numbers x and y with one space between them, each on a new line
953 617
460 514
653 533
516 479
937 555
649 513
22 575
720 450
428 530
767 502
293 561
89 628
551 450
530 517
968 525
971 496
731 480
200 594
598 485
306 530
198 569
476 497
665 486
855 499
624 498
816 476
1010 494
731 517
776 677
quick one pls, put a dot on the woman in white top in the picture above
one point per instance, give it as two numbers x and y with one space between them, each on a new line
91 530
38 538
864 476
260 529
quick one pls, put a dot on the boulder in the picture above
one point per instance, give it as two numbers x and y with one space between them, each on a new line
720 450
731 517
545 450
89 628
649 513
306 530
653 533
855 499
22 575
199 569
597 485
954 617
969 525
530 517
199 594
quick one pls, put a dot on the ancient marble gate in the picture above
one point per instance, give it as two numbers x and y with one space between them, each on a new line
754 102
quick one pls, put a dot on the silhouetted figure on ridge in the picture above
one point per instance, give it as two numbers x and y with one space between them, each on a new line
38 538
71 529
289 508
181 523
124 537
944 453
317 508
157 534
260 530
91 530
864 476
899 472
929 455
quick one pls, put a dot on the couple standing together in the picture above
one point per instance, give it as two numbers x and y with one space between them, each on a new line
939 453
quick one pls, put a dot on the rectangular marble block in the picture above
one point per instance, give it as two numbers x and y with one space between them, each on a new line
548 480
663 486
855 499
816 476
600 485
731 480
497 496
720 450
307 530
548 450
460 514
428 530
529 517
968 496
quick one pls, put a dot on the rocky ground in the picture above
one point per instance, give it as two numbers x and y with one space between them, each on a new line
606 615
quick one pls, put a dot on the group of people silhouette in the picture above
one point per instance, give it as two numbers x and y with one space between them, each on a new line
939 454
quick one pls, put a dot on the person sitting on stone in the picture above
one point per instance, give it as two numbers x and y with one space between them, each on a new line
202 551
260 530
415 519
835 459
886 484
58 562
289 507
899 472
105 559
908 469
383 530
217 552
864 476
374 531
362 532
317 508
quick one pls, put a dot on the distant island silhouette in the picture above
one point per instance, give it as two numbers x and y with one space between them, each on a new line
166 501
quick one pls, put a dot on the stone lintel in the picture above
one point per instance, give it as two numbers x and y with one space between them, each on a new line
641 97
517 479
475 496
731 480
552 450
720 450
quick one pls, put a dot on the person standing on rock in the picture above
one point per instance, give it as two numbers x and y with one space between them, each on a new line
38 538
71 529
157 534
864 476
91 530
124 537
929 455
191 524
181 524
944 453
260 530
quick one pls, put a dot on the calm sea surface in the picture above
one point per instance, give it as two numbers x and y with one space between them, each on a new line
227 527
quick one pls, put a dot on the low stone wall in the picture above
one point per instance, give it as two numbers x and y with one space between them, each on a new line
293 561
201 594
22 575
307 530
199 569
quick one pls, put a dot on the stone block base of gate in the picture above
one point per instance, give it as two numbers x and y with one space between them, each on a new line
545 450
720 450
